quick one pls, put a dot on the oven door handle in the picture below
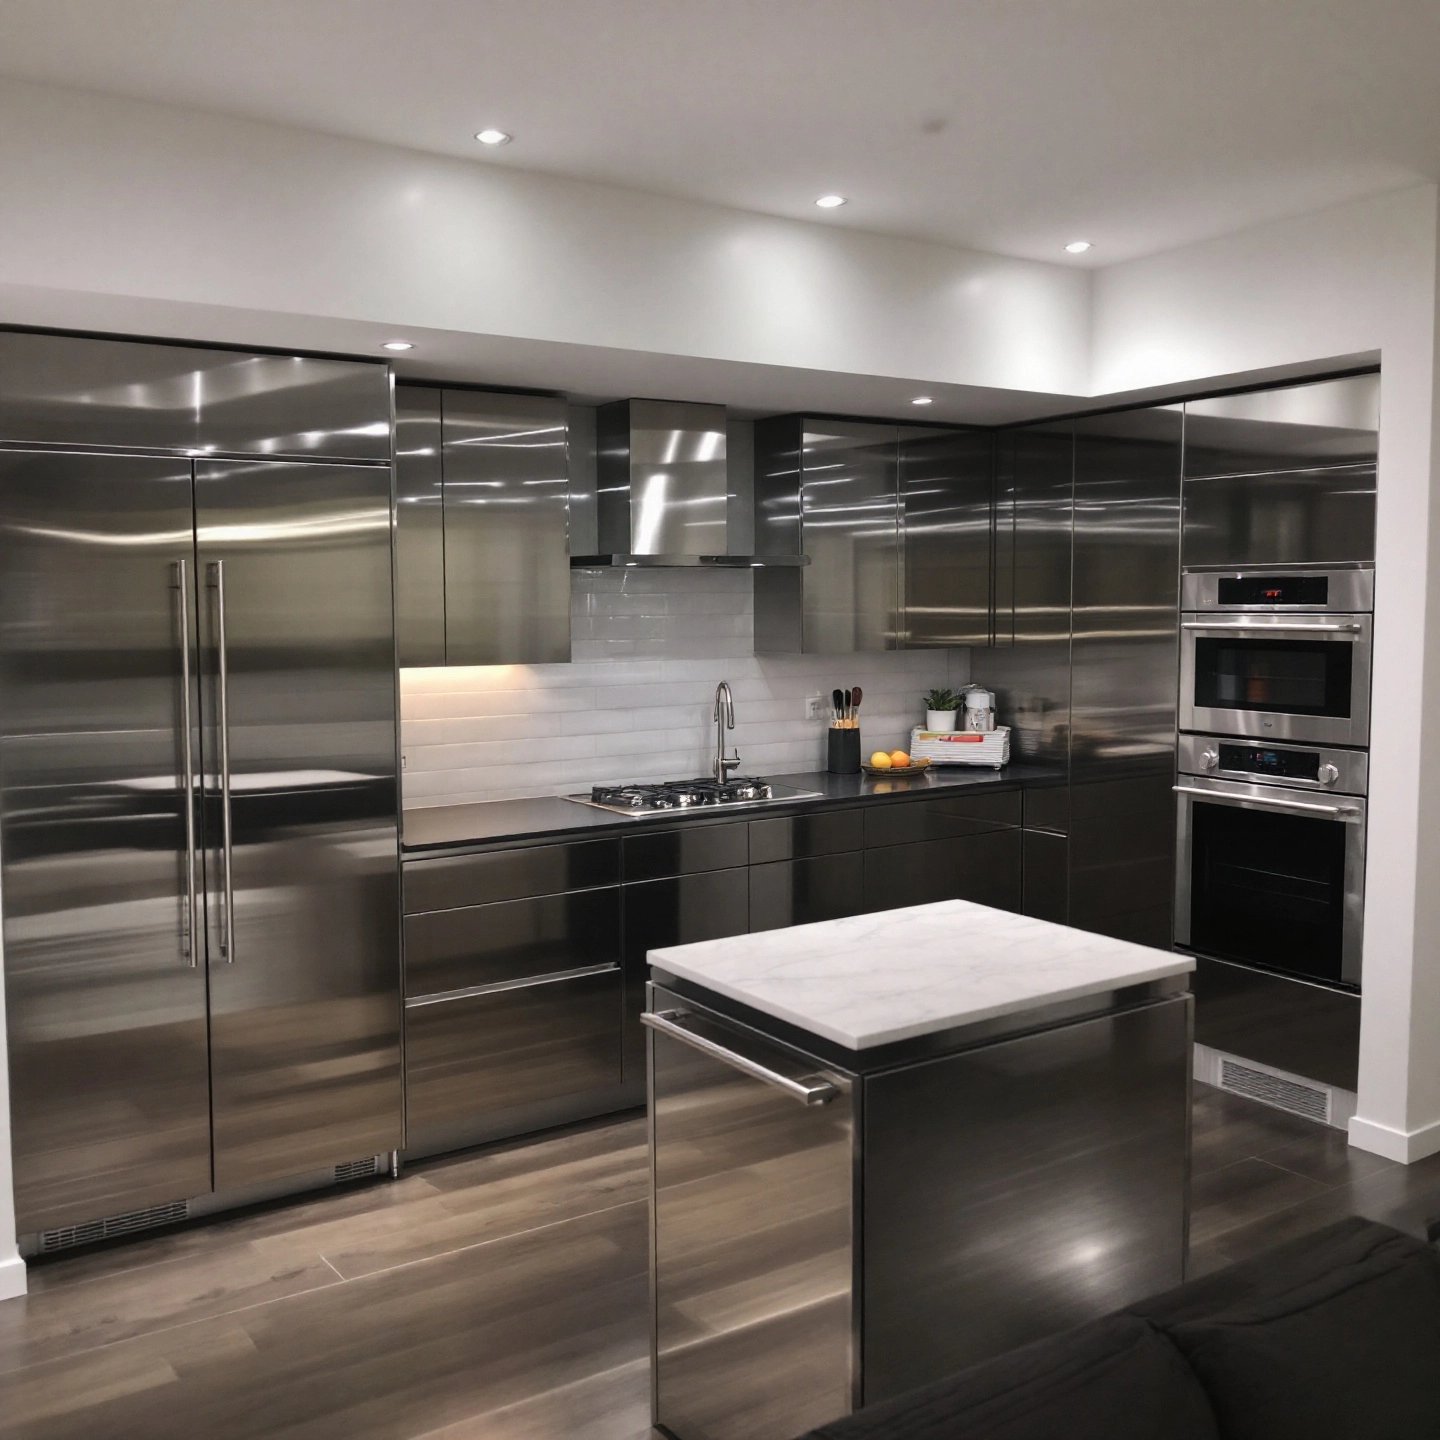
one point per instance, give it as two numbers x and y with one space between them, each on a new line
1328 628
1305 807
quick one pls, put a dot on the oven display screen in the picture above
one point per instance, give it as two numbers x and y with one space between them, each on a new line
1260 760
1273 590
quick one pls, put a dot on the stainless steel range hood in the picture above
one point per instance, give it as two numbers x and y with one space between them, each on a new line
663 497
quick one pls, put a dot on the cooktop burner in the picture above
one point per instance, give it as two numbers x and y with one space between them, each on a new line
673 795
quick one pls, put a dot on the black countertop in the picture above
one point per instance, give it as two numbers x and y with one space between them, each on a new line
490 822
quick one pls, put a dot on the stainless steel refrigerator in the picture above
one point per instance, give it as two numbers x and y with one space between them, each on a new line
198 792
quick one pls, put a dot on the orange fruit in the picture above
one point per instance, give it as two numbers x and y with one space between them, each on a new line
899 759
880 761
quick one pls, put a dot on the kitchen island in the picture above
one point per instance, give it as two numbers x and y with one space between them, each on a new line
887 1146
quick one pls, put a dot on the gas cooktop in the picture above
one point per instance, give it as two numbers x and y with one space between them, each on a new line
669 796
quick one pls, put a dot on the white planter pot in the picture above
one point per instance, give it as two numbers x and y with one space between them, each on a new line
940 720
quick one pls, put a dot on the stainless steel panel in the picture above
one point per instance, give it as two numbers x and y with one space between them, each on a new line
1346 810
1301 517
419 528
797 837
109 1076
1305 1029
1347 591
801 892
83 391
490 944
1054 1174
1124 664
982 868
304 1025
1356 631
449 881
677 911
1295 427
480 1056
663 483
751 1239
941 817
1046 893
1202 755
507 558
948 500
686 851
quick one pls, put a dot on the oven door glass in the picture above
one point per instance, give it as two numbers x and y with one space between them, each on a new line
1281 676
1269 888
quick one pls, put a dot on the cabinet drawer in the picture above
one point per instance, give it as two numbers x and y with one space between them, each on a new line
449 950
1047 887
690 851
800 892
455 880
945 817
796 837
985 869
482 1055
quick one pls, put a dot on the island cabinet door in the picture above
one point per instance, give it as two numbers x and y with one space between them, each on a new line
752 1212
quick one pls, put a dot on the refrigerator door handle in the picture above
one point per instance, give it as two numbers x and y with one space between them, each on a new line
808 1090
216 575
190 944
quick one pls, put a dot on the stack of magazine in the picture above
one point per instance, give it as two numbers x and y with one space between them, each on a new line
962 747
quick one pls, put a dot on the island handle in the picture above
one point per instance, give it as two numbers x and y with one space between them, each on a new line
808 1090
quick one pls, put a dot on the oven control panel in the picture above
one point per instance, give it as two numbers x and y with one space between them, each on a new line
1320 767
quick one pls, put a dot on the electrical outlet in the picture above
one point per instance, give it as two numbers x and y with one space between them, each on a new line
815 707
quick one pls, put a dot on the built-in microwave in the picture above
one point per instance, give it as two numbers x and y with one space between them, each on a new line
1277 655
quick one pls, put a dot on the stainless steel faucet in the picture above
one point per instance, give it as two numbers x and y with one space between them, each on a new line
723 764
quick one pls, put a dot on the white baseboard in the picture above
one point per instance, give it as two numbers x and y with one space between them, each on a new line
1406 1146
12 1278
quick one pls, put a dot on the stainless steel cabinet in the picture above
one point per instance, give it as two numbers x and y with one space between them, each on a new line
482 527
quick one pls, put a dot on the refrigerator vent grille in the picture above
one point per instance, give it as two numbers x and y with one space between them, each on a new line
1311 1101
66 1237
364 1169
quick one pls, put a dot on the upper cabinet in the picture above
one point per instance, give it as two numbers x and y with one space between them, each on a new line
1283 476
482 528
897 523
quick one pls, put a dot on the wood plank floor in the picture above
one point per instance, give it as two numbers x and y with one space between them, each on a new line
499 1294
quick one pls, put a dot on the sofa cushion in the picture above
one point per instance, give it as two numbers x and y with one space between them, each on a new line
1330 1338
1117 1377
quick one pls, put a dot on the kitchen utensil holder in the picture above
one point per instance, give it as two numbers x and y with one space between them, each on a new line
843 751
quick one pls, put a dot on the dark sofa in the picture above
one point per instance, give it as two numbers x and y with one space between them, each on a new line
1333 1337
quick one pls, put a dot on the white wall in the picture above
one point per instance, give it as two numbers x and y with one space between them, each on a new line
1356 278
131 198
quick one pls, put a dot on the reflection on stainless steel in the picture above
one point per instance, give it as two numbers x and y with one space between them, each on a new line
419 528
108 1058
506 513
947 493
304 1028
188 795
75 391
215 572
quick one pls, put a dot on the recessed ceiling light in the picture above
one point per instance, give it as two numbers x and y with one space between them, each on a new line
398 345
922 400
493 137
830 202
1078 247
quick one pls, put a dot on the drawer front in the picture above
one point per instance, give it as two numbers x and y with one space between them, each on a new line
800 892
985 869
946 817
1047 882
455 880
486 1054
797 837
678 911
448 950
1047 807
690 851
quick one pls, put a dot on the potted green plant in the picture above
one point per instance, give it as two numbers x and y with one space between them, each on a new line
940 708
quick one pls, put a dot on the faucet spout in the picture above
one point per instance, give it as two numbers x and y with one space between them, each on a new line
723 764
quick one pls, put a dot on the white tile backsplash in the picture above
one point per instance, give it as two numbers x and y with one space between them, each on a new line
636 702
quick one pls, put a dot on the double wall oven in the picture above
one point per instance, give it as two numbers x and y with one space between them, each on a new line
1273 769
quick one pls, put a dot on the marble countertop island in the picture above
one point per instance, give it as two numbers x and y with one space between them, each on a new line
870 980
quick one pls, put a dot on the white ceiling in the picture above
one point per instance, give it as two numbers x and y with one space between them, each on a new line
1006 125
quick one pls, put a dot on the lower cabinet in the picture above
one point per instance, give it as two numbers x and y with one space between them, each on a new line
983 868
800 892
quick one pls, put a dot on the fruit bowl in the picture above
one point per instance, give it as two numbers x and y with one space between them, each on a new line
915 767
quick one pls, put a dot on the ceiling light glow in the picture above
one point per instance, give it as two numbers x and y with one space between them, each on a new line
922 400
831 202
493 137
398 345
1078 247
